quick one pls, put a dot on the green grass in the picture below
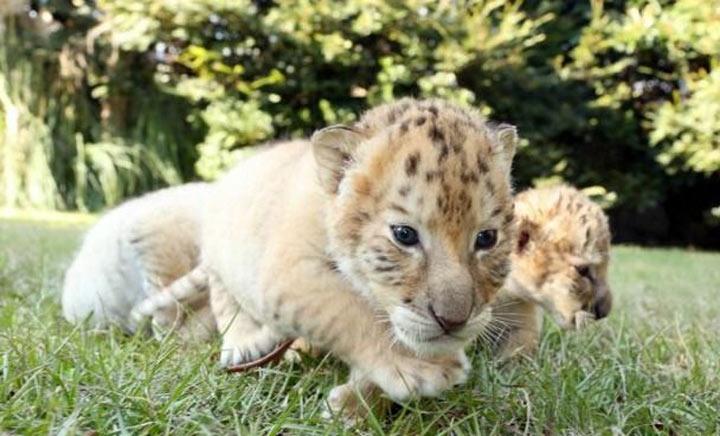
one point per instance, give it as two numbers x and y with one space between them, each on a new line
652 367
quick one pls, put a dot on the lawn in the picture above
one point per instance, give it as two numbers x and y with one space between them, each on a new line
652 367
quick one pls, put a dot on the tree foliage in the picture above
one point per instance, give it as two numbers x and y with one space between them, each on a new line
123 96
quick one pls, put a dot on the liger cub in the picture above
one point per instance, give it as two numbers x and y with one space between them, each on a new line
559 264
383 242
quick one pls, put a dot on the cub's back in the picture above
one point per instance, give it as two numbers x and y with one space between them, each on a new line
247 210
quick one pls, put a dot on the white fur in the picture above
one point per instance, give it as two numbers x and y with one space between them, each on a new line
107 277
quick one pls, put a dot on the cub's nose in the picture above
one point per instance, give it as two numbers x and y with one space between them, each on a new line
602 307
448 324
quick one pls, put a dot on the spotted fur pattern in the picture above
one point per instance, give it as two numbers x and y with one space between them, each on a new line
438 172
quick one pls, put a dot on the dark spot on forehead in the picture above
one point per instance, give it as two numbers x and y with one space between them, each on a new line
433 110
436 135
490 186
469 177
392 116
430 176
508 218
444 151
419 121
398 208
481 164
464 200
404 127
463 161
457 137
404 190
447 208
411 164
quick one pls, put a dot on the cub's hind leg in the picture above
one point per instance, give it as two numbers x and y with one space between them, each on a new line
166 248
244 339
168 307
199 325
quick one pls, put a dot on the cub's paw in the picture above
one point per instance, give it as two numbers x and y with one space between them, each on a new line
247 348
583 319
352 401
161 310
343 402
299 348
414 377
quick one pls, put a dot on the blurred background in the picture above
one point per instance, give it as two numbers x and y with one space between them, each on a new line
105 99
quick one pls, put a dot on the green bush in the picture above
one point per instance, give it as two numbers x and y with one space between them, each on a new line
620 96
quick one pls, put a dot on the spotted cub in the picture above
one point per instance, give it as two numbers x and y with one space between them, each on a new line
383 242
559 263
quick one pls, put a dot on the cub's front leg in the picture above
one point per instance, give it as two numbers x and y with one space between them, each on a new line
405 379
244 339
402 376
334 318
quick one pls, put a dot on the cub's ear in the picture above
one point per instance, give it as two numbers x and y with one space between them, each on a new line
507 139
526 232
333 148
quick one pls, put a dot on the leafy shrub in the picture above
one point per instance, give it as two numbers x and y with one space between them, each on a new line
617 96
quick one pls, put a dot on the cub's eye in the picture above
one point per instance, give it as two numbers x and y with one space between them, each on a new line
405 235
486 239
584 271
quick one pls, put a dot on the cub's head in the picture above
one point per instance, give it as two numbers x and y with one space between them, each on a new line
561 256
421 216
